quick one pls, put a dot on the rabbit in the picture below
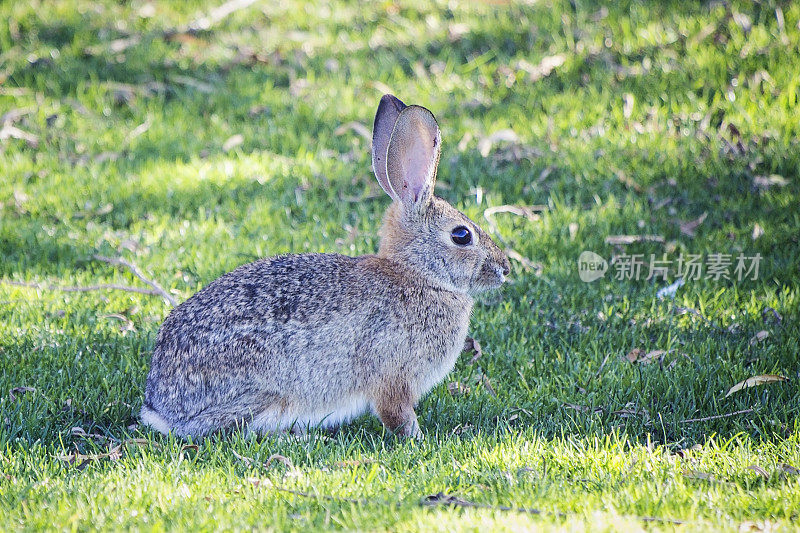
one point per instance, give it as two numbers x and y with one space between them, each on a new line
314 340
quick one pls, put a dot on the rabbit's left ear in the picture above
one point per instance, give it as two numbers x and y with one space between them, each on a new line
385 118
413 156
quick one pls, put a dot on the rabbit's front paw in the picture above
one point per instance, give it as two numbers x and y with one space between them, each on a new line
411 429
395 408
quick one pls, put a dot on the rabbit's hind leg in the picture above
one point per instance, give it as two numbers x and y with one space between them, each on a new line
151 418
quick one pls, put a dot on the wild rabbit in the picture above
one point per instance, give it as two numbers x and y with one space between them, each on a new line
314 340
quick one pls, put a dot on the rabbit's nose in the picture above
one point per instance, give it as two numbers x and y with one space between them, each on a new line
506 266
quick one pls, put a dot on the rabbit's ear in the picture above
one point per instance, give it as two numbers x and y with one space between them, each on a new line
386 117
413 156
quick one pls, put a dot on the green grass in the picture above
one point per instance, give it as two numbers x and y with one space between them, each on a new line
660 112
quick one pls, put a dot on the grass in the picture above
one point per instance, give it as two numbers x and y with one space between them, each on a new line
655 115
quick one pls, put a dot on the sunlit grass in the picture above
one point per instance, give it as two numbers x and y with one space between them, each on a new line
656 114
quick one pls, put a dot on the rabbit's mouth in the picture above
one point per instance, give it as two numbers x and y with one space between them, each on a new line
490 276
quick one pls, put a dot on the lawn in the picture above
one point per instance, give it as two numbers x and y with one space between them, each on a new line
187 141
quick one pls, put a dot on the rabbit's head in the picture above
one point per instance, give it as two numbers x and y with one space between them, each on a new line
421 230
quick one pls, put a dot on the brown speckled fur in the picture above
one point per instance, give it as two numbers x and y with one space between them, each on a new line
316 339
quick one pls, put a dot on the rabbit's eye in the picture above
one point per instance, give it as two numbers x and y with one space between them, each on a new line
461 235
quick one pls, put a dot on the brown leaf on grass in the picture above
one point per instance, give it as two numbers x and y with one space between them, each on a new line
634 355
754 381
232 142
758 337
356 127
689 227
639 356
186 448
472 346
281 459
19 391
758 470
457 389
630 239
784 468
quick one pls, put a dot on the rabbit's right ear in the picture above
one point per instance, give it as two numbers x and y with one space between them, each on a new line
385 118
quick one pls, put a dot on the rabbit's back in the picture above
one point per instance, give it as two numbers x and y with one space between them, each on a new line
292 335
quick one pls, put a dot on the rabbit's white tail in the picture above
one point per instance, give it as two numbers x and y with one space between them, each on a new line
154 420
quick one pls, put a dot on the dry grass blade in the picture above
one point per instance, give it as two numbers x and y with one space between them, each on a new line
15 115
716 417
630 239
488 384
531 212
246 460
357 127
442 498
81 460
758 470
765 182
12 132
526 263
217 15
584 408
754 381
118 261
82 288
